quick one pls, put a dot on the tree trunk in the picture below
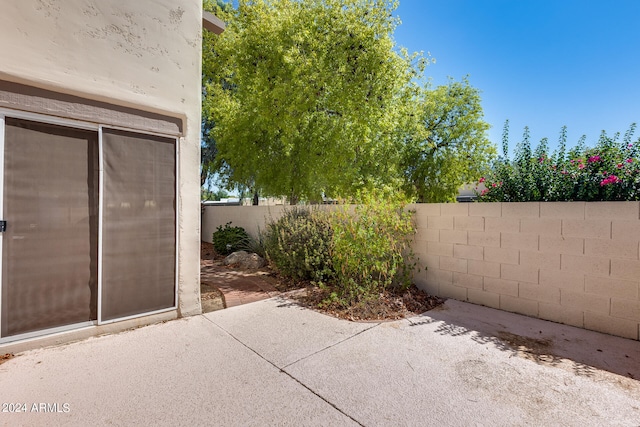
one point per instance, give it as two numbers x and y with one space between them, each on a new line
255 199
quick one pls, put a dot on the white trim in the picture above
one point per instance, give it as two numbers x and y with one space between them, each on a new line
1 206
100 216
135 316
49 331
177 224
52 120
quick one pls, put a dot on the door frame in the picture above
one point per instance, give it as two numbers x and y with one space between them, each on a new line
97 127
100 222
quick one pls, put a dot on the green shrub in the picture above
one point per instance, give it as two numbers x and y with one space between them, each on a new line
228 239
610 171
354 254
372 248
299 244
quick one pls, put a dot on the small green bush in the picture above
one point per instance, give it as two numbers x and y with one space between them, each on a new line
299 244
228 239
372 248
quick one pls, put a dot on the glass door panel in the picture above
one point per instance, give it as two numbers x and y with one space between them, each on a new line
50 247
139 224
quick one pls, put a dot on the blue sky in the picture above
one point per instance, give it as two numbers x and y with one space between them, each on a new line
538 63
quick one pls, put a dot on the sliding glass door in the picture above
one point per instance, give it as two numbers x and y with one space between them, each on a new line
90 220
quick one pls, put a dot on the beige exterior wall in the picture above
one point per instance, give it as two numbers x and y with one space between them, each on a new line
251 218
570 262
138 54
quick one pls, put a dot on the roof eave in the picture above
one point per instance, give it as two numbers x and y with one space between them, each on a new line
212 23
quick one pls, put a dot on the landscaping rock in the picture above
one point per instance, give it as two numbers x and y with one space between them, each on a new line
245 260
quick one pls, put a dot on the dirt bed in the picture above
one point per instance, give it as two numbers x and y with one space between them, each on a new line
389 305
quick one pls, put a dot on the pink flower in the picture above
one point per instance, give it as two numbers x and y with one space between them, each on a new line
485 191
594 159
611 179
580 166
564 172
571 161
494 185
630 145
541 159
630 160
604 173
619 165
481 179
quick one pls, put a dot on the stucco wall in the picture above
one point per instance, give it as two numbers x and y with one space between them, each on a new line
570 262
140 54
251 218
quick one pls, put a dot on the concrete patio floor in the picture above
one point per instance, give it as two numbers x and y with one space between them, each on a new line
274 363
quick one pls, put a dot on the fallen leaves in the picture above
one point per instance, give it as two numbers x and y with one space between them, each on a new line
388 305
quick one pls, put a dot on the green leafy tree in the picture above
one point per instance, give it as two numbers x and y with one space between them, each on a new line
208 147
207 194
307 96
448 146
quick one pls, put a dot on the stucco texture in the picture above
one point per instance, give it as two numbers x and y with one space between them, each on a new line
140 54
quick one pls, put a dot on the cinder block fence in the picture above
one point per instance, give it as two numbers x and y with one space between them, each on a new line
570 262
576 263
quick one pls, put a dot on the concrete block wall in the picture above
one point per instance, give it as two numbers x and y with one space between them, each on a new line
576 263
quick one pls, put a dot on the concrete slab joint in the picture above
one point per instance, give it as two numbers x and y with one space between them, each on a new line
452 366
